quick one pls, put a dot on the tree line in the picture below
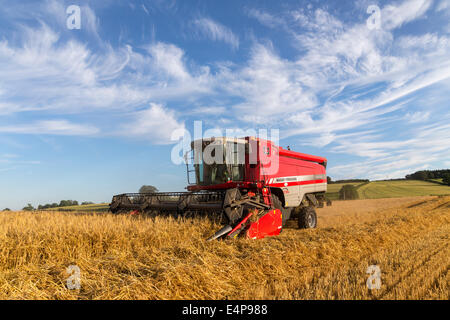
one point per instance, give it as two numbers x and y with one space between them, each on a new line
443 174
66 203
330 181
62 203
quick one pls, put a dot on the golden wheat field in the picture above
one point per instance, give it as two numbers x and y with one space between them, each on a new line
127 257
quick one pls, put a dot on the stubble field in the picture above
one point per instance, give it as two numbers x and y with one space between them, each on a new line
128 257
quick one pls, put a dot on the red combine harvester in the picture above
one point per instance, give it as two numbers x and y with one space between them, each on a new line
250 185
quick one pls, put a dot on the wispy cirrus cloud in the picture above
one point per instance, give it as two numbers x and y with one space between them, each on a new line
10 162
419 148
267 84
266 18
366 83
443 5
42 74
216 31
58 127
416 117
156 123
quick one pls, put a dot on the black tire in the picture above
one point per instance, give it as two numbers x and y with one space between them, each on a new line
285 212
307 218
234 214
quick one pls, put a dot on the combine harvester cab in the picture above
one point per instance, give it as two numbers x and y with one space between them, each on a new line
250 185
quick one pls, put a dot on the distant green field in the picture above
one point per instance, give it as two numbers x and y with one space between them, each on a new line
391 189
98 207
333 189
404 188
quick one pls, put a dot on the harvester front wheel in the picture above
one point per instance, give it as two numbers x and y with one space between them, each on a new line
307 218
234 213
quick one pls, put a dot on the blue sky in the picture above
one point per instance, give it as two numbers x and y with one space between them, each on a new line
88 113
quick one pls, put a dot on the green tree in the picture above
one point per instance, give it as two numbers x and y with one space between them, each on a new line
7 209
422 175
328 179
29 207
47 205
348 192
446 179
148 189
66 203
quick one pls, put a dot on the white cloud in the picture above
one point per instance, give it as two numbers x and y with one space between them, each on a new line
366 78
145 9
155 123
42 73
58 127
9 162
90 21
395 16
426 144
338 56
169 59
266 18
443 5
208 110
216 31
9 155
416 117
268 87
53 12
321 21
428 45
